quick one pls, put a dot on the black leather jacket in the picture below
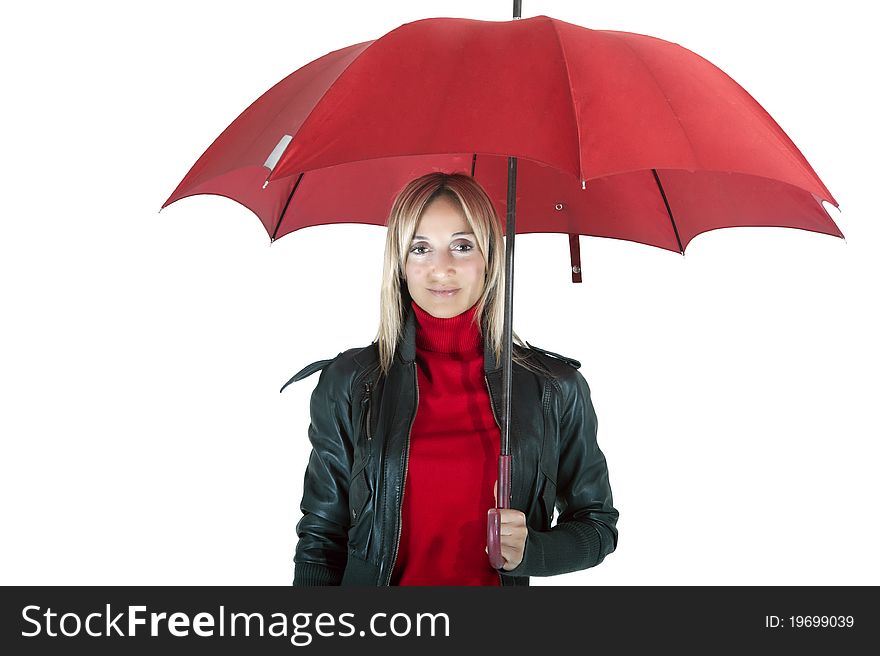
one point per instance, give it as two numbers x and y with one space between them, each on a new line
360 429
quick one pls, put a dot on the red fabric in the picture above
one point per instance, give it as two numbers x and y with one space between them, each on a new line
453 460
575 105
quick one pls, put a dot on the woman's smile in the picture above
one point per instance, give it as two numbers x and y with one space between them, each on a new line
444 292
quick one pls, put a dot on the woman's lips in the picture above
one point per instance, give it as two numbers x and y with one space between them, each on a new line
444 293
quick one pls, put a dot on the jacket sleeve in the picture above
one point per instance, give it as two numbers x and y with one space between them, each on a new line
321 552
586 530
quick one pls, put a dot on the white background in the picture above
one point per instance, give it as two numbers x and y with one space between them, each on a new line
144 440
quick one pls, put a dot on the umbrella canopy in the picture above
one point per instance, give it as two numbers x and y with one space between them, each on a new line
619 135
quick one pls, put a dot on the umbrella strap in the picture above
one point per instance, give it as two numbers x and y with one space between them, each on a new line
574 247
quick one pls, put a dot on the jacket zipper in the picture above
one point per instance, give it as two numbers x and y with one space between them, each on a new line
403 484
498 423
369 409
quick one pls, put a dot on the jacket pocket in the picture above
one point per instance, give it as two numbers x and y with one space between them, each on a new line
360 501
358 491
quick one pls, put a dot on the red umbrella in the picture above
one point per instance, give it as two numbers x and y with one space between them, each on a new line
608 134
636 138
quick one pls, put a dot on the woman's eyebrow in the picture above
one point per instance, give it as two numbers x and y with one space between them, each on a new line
454 234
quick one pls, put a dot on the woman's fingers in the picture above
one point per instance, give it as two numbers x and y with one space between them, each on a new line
511 518
513 537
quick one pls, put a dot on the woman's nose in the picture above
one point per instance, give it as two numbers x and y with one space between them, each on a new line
443 264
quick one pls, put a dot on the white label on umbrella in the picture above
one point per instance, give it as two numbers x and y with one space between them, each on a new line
275 155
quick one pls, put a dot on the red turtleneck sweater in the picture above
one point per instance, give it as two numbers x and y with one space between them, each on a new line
453 460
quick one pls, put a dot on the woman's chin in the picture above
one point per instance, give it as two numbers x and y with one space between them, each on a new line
442 308
443 312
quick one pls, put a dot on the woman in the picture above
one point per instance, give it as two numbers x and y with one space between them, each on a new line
404 431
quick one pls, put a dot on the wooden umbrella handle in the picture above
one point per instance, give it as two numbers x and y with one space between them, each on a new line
493 529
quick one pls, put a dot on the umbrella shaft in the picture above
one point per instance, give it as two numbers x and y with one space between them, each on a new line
507 337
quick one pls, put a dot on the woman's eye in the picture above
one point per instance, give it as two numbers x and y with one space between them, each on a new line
463 247
419 250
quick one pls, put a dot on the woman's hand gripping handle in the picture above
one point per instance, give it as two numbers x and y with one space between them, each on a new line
506 528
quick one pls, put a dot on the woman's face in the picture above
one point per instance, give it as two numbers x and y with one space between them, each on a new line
445 272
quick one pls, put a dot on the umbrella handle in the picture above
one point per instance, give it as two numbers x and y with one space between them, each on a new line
493 528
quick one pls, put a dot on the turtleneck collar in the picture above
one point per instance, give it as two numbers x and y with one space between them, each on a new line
458 334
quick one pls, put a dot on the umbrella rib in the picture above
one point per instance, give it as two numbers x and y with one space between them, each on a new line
668 209
473 165
574 113
281 217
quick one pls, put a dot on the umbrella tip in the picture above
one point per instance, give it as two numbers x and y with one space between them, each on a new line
583 184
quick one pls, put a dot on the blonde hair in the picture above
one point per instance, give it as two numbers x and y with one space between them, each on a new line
406 212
